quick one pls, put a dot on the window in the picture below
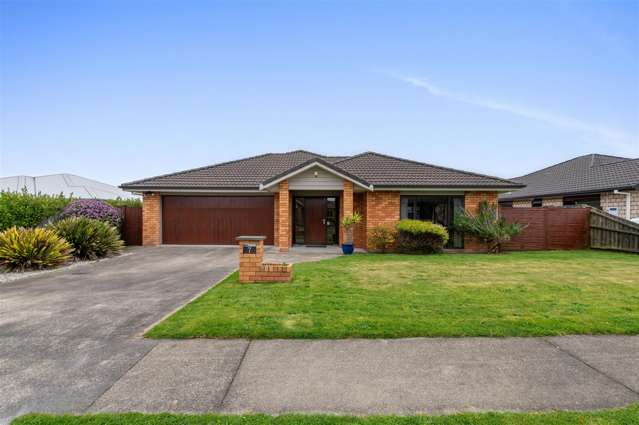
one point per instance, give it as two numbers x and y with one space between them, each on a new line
592 200
438 209
537 203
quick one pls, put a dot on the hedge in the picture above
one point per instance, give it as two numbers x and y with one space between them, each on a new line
22 209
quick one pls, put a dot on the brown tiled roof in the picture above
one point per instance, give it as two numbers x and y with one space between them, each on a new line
585 174
367 168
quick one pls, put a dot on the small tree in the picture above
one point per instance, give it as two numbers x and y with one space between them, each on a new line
348 222
487 227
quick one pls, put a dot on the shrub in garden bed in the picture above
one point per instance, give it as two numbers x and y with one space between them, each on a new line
381 238
95 209
22 209
32 248
91 239
420 237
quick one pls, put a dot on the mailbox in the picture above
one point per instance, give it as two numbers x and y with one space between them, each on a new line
249 248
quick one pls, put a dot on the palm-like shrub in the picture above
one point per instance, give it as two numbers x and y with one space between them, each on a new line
420 237
348 222
95 209
32 248
487 227
91 239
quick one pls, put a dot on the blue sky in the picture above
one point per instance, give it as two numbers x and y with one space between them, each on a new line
122 90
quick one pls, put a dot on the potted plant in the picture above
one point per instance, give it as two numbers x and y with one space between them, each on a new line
348 221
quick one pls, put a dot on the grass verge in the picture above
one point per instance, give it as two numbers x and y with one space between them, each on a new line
455 295
625 416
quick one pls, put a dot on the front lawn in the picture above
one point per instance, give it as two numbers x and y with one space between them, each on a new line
626 416
393 296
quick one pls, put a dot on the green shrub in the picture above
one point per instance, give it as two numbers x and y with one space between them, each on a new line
381 238
348 222
91 238
22 209
35 248
129 202
420 237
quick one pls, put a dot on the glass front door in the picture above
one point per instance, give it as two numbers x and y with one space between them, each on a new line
316 220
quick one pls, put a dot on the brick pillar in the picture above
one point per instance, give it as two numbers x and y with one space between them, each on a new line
346 205
284 218
276 220
151 219
471 204
250 262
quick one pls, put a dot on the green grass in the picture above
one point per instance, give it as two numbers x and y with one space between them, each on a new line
392 296
626 416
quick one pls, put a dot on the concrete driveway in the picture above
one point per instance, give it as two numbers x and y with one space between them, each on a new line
70 342
68 335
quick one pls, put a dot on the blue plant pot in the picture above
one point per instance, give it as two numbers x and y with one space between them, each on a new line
347 248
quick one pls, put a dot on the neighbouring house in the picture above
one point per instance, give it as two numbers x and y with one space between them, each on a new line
66 184
610 183
299 197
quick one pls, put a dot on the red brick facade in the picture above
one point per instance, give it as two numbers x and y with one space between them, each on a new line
151 219
377 208
382 208
284 234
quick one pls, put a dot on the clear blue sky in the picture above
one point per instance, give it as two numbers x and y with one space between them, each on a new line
122 90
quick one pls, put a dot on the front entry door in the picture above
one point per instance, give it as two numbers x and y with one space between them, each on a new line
315 221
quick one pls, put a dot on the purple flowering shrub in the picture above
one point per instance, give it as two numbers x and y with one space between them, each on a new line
93 208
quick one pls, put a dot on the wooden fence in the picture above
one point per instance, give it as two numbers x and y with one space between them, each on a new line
548 228
132 225
611 232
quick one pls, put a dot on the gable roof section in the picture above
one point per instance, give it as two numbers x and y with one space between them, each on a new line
322 163
367 170
585 174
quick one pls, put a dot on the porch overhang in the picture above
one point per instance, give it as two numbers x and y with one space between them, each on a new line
311 164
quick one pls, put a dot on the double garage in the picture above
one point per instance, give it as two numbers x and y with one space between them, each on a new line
216 220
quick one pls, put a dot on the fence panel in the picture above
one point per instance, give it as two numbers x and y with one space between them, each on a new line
548 228
610 232
132 225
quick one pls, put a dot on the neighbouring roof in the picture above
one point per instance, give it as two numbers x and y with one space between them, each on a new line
67 184
368 169
585 174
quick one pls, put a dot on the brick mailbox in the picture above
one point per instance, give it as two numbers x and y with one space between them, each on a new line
252 266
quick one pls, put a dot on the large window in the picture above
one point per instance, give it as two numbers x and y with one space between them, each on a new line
438 209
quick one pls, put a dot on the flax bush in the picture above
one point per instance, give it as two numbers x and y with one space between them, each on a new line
24 249
91 239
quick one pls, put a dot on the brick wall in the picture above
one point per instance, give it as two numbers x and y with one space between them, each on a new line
552 202
151 219
284 217
522 203
252 268
382 208
359 231
471 204
346 206
609 199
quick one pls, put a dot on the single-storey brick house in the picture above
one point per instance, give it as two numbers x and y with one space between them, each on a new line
610 183
299 197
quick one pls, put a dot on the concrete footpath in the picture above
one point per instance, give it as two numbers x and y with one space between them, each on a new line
403 376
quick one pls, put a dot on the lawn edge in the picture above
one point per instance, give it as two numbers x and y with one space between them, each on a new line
144 333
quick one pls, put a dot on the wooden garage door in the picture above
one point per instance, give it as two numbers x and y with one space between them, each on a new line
215 219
